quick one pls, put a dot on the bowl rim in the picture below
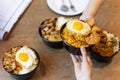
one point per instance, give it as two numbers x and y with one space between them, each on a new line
37 55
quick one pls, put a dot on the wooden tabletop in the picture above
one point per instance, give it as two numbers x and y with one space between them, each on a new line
56 64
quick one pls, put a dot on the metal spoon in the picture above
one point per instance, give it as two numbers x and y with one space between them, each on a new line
64 7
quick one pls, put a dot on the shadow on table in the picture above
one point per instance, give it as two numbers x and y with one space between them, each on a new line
40 72
42 68
98 64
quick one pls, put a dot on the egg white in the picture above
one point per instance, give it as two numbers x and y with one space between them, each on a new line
30 53
85 28
25 70
60 21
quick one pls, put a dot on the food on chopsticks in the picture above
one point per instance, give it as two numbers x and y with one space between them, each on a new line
51 28
20 60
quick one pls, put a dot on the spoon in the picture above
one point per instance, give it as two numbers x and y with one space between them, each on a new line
64 8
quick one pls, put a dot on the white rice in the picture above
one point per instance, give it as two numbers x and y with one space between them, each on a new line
109 38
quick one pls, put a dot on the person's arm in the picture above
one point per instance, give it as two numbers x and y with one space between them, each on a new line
91 9
82 65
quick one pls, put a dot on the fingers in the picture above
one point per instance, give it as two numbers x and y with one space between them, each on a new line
85 57
76 59
89 60
91 21
73 59
81 58
84 53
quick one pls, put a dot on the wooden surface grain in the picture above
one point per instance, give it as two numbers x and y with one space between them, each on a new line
56 64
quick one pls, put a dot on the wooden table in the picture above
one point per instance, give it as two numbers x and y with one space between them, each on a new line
56 64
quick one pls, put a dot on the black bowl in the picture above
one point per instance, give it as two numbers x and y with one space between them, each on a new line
73 50
28 75
56 45
100 58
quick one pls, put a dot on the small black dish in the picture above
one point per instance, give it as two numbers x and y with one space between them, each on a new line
100 58
28 75
56 45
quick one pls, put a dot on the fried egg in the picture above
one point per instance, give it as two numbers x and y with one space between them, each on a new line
78 26
25 56
24 70
60 21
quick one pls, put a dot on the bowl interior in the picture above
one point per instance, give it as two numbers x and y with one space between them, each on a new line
40 33
52 44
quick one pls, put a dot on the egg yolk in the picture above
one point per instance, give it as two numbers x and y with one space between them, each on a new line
77 26
23 57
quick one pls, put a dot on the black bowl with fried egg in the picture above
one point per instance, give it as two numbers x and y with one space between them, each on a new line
26 76
52 44
71 49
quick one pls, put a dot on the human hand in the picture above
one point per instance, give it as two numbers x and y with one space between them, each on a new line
90 20
82 65
91 10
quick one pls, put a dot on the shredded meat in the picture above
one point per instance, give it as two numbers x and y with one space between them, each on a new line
49 30
94 38
96 29
103 49
9 62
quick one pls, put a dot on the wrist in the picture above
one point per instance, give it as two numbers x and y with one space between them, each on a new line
85 77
